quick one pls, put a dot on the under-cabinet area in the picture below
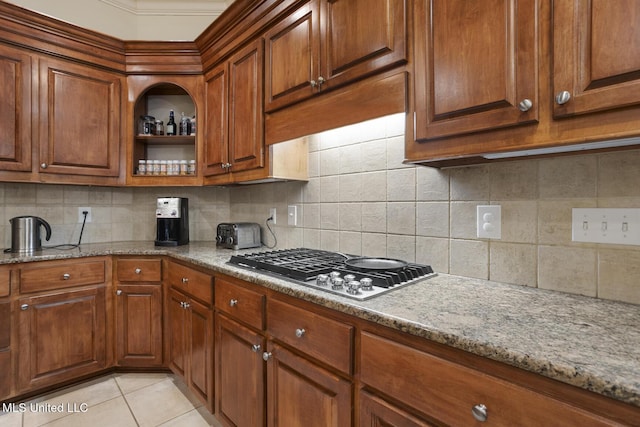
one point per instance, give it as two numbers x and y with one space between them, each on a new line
255 356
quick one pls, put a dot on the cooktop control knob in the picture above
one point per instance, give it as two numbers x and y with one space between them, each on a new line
349 277
334 274
337 283
367 284
353 287
322 280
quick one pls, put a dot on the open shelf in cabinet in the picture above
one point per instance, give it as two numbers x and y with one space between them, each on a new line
157 100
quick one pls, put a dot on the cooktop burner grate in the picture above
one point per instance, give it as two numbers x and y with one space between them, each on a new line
304 265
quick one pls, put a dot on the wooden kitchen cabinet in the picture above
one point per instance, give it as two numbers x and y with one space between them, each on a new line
301 393
62 336
240 374
327 43
303 384
138 304
475 66
155 95
80 126
189 329
376 412
240 342
15 109
62 320
595 68
6 317
454 394
234 126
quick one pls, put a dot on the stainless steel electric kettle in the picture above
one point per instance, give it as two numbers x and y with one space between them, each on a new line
25 233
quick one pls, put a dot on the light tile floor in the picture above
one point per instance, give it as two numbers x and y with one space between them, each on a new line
119 400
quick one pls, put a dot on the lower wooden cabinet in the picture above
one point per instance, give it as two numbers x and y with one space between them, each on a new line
300 393
240 374
63 335
376 412
190 341
5 348
139 325
458 395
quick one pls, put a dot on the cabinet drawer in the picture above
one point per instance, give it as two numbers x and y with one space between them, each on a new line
193 282
59 275
5 282
241 303
325 339
139 270
449 392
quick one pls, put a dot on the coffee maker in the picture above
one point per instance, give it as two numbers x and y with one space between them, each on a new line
172 221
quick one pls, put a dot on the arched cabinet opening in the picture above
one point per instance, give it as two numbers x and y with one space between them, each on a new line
164 132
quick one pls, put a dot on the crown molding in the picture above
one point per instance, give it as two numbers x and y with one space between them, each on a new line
169 7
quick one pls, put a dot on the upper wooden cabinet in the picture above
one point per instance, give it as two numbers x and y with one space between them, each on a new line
234 128
476 66
575 61
15 109
327 43
80 119
596 55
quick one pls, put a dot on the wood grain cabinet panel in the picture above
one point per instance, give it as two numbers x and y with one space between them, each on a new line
300 393
241 303
324 339
15 109
240 374
452 393
63 335
190 337
80 119
235 122
475 63
6 379
596 55
139 325
328 43
43 276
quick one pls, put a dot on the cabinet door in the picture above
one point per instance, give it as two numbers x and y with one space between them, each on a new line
177 332
475 63
80 118
361 37
6 379
596 55
200 350
15 109
375 412
240 374
62 336
139 325
292 57
246 118
299 393
216 152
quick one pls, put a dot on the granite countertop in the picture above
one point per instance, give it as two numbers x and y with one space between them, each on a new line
590 343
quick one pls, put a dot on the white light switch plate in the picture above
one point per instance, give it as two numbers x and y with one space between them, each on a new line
606 225
489 221
292 215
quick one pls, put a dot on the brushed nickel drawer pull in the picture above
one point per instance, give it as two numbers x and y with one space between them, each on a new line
138 270
66 276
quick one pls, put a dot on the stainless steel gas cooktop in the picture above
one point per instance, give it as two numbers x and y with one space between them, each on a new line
333 272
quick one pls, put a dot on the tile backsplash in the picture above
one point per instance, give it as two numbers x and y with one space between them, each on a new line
361 199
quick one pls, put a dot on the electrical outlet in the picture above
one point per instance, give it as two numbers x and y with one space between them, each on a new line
292 215
272 214
489 222
81 214
606 225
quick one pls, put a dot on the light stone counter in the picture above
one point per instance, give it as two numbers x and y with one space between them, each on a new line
590 343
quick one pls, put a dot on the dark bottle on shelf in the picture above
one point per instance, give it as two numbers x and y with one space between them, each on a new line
170 129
